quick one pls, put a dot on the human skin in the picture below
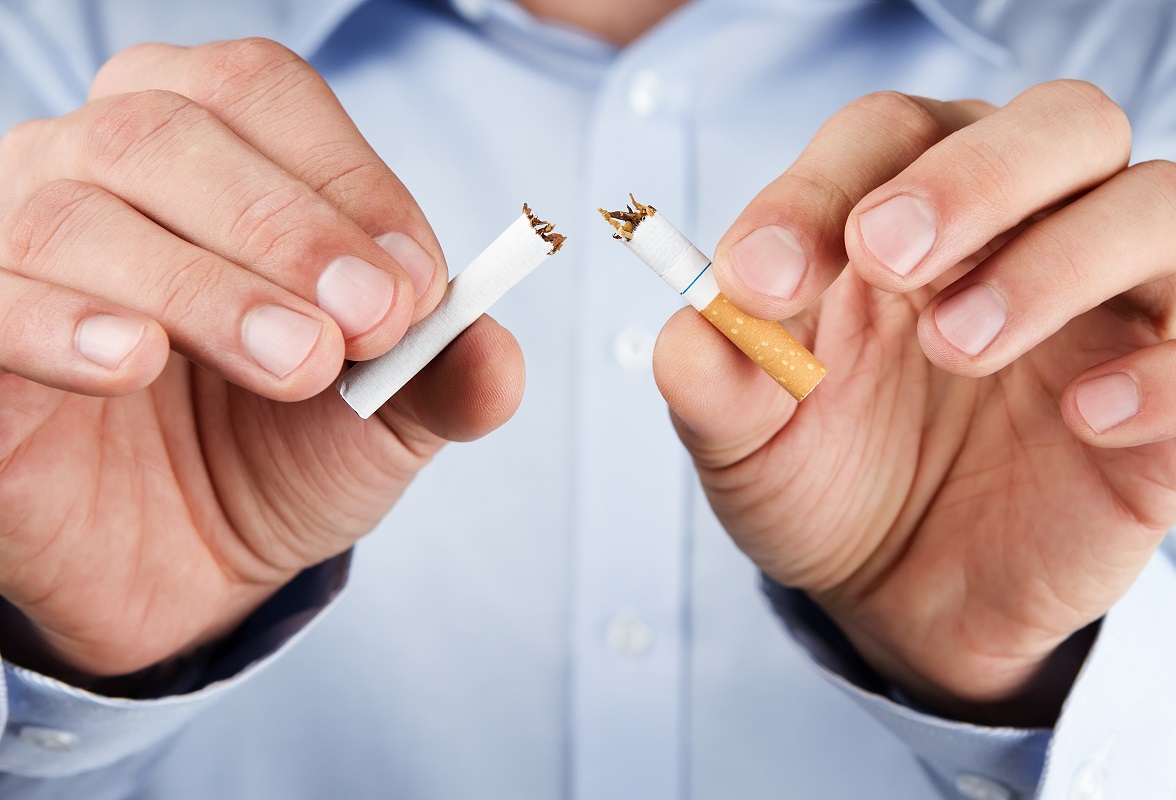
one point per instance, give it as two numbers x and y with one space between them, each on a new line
200 482
616 21
989 463
946 502
955 513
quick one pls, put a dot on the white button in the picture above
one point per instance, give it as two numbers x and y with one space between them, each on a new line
645 93
1088 783
473 10
49 738
629 636
633 349
975 787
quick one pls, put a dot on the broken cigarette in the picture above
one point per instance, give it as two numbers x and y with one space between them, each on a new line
682 265
524 245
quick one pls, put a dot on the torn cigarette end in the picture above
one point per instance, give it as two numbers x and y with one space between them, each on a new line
682 265
626 222
545 230
524 245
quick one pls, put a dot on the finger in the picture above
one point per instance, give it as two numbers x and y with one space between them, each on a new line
221 195
690 354
219 315
277 103
60 338
1051 142
473 387
1112 239
788 245
1127 401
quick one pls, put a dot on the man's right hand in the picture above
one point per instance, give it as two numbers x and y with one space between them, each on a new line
218 202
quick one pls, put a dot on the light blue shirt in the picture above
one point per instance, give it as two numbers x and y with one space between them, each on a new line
554 611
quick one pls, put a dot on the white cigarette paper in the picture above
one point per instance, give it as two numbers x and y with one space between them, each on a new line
524 245
664 249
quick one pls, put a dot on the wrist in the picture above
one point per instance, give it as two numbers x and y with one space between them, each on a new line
23 644
982 691
151 669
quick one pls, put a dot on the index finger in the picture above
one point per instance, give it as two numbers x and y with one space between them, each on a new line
270 98
788 245
1050 143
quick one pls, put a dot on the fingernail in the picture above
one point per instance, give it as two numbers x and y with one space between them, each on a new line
1107 401
971 319
279 339
769 260
412 257
356 294
106 339
899 232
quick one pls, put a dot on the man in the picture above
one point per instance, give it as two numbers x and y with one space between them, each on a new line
965 511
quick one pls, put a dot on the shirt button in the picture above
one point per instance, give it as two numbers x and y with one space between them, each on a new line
49 738
473 10
645 93
628 636
633 349
1088 783
975 787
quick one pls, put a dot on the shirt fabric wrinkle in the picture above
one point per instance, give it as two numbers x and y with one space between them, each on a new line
554 611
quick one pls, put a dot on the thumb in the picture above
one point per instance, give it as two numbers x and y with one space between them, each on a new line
725 407
321 477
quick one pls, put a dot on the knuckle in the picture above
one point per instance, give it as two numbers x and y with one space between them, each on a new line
1160 177
29 315
1162 173
1084 92
914 118
814 191
347 179
17 142
250 55
238 73
179 293
991 173
1109 121
277 225
1069 262
1064 261
45 218
26 304
129 127
123 65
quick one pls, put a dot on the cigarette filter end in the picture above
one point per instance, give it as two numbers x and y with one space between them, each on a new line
768 344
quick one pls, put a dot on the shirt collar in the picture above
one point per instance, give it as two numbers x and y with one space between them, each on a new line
972 24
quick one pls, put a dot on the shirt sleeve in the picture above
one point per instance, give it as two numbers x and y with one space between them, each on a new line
1114 737
56 736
